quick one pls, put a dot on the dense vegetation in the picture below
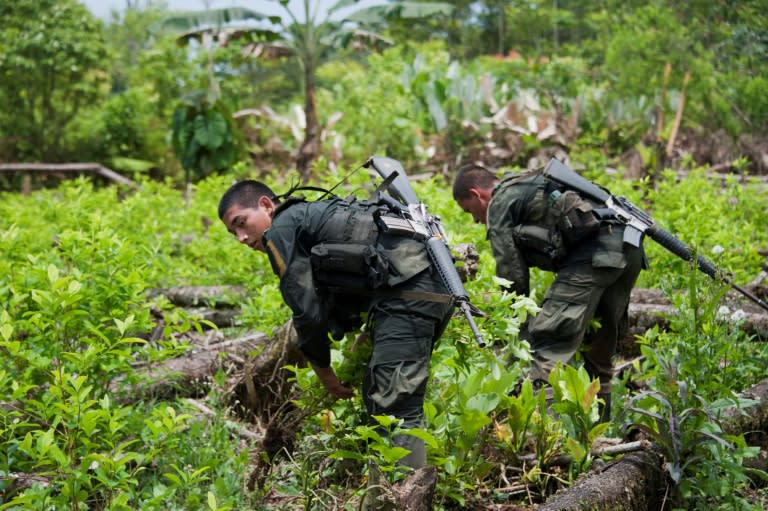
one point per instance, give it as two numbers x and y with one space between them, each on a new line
79 258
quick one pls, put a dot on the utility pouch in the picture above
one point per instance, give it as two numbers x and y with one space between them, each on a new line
574 217
545 246
348 264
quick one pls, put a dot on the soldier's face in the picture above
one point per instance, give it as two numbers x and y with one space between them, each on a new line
248 224
476 205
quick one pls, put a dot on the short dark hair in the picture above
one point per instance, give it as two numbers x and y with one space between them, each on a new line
472 175
245 194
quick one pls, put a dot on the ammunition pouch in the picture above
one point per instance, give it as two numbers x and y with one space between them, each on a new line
348 257
544 247
402 227
556 221
348 265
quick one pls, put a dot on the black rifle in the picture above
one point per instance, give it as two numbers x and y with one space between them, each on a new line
420 224
637 222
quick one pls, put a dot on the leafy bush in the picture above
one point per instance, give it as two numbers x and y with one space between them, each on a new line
79 260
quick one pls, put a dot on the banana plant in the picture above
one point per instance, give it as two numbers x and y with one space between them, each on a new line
311 38
204 136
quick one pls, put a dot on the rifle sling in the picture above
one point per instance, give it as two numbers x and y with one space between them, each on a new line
402 294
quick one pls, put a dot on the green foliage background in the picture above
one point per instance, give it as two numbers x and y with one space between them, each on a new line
79 259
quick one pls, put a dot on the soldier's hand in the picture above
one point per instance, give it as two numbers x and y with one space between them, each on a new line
341 392
331 382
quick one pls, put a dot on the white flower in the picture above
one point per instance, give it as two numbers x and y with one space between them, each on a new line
738 315
723 311
717 249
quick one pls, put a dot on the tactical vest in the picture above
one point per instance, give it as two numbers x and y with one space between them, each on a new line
348 256
554 220
361 254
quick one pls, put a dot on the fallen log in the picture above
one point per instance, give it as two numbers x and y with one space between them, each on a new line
219 318
647 315
754 417
650 308
417 491
184 375
55 168
637 481
263 384
197 296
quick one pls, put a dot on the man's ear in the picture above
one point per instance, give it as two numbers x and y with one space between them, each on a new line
266 204
484 194
477 193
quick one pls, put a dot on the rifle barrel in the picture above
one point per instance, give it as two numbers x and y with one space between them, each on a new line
681 250
467 310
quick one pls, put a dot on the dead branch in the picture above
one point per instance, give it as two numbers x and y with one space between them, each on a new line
94 168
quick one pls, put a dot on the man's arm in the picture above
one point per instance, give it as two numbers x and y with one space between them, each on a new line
310 321
510 264
298 290
504 213
331 382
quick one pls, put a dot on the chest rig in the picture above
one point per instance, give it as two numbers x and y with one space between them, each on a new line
347 256
554 220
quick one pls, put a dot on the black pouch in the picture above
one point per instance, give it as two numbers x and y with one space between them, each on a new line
576 219
545 248
348 265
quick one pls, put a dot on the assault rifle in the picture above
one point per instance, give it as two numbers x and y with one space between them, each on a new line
420 224
638 222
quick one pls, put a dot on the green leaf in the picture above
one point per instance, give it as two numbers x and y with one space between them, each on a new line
472 421
391 454
132 165
387 421
53 274
349 455
577 451
598 430
183 21
483 403
424 435
6 330
590 394
74 287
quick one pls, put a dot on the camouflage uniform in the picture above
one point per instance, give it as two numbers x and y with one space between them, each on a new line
593 278
403 331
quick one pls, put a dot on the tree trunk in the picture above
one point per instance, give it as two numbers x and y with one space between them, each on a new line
650 307
311 145
636 482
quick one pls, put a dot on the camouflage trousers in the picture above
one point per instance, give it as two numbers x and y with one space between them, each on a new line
579 293
403 334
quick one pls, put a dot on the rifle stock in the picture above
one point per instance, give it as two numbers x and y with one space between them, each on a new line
640 221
